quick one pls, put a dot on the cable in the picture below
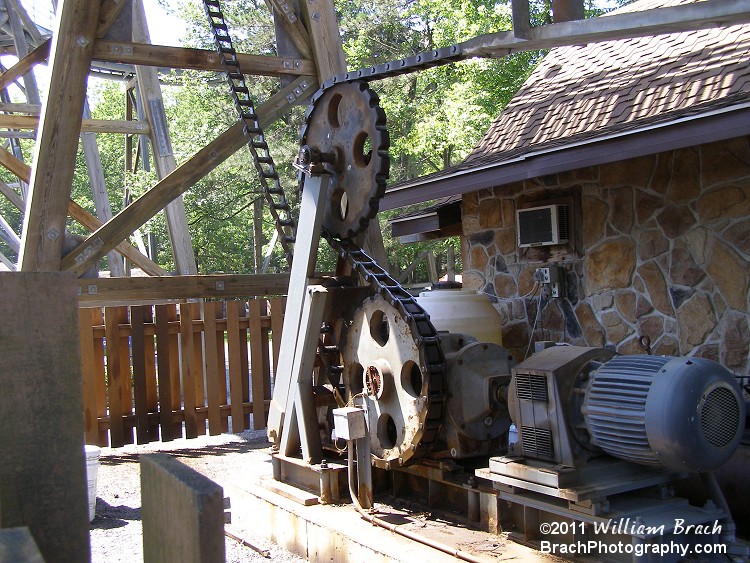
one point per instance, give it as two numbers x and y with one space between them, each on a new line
533 328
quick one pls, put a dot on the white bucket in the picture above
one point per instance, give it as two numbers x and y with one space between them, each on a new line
92 470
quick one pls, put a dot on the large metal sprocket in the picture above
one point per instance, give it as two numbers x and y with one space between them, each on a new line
346 124
384 363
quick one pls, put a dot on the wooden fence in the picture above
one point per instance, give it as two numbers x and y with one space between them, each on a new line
151 370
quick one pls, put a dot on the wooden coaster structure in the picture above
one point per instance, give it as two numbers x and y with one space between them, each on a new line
91 35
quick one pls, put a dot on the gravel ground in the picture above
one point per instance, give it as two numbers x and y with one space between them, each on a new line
116 532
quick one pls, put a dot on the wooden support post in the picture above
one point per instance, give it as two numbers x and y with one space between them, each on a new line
99 189
451 264
182 513
285 15
431 267
25 64
328 53
521 19
42 465
567 10
195 168
14 10
11 194
57 141
153 107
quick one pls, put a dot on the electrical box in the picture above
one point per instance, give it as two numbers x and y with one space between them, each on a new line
349 423
542 226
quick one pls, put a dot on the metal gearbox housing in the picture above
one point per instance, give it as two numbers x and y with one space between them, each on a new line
478 375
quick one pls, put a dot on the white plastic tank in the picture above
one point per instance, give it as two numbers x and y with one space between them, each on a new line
463 311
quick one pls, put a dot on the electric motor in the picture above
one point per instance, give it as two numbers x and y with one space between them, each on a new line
681 413
570 403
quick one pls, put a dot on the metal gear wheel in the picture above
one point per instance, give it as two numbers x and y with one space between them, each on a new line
346 124
384 363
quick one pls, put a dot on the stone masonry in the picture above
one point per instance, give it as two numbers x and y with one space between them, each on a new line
661 250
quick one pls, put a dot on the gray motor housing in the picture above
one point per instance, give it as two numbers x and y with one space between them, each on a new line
686 414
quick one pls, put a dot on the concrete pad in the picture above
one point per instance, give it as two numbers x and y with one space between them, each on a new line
338 533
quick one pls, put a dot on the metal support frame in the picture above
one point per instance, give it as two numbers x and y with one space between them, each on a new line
303 310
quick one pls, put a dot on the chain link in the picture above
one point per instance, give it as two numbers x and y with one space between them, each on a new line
267 174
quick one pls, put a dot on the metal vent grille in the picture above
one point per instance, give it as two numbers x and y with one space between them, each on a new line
536 442
531 387
720 417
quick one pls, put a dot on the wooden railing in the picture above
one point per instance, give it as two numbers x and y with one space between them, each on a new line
158 372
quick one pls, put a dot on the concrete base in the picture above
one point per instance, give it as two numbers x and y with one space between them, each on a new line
337 532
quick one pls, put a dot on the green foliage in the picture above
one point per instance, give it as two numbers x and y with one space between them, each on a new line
435 117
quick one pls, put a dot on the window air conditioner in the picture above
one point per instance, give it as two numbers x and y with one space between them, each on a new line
542 226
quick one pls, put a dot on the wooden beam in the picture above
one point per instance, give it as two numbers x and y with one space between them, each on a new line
108 290
197 59
99 189
125 248
320 19
152 106
25 64
87 125
686 17
179 181
29 26
108 13
15 165
284 13
521 18
18 29
31 109
567 10
23 171
57 141
12 195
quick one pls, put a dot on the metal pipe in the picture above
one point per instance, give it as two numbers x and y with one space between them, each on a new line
393 527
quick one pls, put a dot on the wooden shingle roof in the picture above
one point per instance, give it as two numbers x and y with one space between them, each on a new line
580 95
583 89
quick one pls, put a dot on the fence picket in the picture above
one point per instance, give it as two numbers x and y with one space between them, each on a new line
213 382
115 375
164 360
88 361
152 398
189 370
278 305
100 376
221 361
235 365
259 360
245 366
140 392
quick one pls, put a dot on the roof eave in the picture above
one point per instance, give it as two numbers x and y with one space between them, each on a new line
715 126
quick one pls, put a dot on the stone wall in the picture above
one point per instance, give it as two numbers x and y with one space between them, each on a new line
661 249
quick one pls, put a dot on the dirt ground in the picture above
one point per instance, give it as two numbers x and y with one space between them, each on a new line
116 532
